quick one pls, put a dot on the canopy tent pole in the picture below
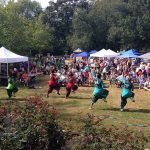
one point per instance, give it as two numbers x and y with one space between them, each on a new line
28 66
0 68
7 69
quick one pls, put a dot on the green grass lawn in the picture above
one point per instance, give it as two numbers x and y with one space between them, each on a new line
73 109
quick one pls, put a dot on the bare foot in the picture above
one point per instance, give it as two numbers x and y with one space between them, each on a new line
104 99
90 108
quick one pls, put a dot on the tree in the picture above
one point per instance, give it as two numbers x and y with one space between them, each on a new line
23 31
59 15
69 24
29 9
131 28
82 31
94 26
43 36
12 29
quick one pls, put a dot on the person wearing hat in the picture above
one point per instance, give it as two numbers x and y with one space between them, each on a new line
99 90
127 91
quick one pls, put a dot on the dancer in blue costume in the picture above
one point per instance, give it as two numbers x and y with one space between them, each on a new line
99 91
127 92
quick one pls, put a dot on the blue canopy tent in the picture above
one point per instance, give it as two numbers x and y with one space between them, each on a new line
83 54
132 53
92 52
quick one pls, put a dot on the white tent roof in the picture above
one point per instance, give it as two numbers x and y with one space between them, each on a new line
99 53
105 53
77 51
111 53
145 56
7 56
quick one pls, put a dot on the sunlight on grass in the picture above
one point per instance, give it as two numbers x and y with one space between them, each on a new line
77 105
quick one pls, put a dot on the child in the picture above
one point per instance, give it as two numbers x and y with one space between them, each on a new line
147 84
80 80
25 78
141 81
90 78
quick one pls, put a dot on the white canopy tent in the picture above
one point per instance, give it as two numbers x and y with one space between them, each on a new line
105 53
6 56
145 56
77 51
111 53
99 53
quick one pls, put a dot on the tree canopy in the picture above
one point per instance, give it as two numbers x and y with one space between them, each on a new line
66 25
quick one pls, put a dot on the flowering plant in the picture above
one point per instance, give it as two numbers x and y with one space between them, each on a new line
30 125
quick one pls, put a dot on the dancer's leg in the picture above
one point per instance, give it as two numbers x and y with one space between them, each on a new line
68 91
57 88
123 103
94 100
50 89
9 93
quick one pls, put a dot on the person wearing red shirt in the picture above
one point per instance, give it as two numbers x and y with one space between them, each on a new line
139 73
70 85
53 84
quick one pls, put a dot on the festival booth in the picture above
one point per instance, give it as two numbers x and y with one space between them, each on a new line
145 56
111 53
92 52
83 54
132 53
99 53
7 57
105 54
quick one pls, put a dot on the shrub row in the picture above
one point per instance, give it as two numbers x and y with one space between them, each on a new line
33 125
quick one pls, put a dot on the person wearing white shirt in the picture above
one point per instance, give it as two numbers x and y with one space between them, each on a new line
147 85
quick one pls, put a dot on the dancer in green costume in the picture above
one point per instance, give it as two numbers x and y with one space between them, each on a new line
99 90
11 88
127 92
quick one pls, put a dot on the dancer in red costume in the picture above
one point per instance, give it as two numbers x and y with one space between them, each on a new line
70 85
53 84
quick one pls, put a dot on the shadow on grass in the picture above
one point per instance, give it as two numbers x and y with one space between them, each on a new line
129 110
76 97
14 98
70 97
68 103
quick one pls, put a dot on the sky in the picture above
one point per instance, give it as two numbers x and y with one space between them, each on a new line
44 3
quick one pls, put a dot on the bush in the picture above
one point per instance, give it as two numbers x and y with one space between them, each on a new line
94 136
30 126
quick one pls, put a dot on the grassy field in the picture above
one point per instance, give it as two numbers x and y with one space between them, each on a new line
73 109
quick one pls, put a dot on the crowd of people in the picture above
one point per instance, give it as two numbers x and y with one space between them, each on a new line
124 73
